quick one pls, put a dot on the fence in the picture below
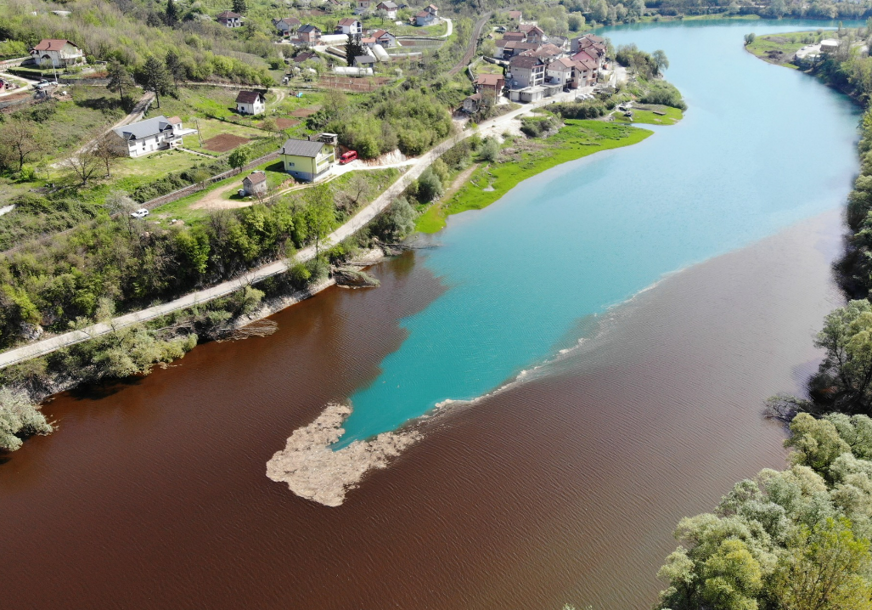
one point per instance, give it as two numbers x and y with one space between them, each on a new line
193 188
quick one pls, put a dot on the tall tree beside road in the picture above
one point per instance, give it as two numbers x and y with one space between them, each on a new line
153 76
120 79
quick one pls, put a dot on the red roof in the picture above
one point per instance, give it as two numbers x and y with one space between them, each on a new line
256 177
489 80
347 21
584 56
174 120
226 15
516 15
52 44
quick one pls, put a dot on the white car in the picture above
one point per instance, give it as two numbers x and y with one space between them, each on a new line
140 213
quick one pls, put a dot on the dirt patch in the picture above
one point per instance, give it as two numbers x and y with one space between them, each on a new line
304 112
224 142
286 123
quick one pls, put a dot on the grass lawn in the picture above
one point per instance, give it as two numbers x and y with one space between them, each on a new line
777 48
644 114
490 182
484 67
182 208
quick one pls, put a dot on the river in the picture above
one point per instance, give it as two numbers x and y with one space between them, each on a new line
563 488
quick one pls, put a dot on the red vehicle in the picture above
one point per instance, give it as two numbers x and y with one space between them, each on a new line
348 157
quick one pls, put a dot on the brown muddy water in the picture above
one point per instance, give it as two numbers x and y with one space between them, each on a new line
564 488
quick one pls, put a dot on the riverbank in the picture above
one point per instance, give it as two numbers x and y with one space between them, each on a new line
524 158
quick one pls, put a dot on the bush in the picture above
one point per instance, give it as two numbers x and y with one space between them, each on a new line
19 418
429 186
665 94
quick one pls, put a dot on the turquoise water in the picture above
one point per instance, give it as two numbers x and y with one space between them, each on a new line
760 148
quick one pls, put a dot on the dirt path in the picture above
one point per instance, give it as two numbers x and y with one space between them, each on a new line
473 43
459 181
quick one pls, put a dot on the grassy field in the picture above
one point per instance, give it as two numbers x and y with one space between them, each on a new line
645 115
183 209
490 182
778 48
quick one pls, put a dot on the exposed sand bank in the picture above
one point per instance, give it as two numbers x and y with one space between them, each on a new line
315 472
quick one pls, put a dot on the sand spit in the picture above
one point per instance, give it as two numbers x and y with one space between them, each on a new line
315 472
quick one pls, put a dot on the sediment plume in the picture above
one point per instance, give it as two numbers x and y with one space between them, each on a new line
315 472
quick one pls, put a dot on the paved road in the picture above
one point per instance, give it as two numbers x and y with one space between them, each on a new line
40 348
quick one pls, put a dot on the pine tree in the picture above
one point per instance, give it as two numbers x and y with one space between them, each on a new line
353 48
172 13
154 77
119 79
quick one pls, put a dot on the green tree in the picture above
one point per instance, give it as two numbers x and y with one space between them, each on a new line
824 569
731 578
749 38
816 442
319 216
174 66
120 79
21 141
660 61
353 48
239 6
845 375
172 13
153 76
19 417
238 158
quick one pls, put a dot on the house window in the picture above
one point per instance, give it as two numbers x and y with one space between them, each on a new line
290 164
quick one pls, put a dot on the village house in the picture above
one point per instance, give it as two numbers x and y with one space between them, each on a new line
546 52
515 16
255 184
362 6
560 72
490 84
348 26
829 46
286 26
150 135
305 56
250 102
423 18
432 9
389 8
516 36
229 19
364 61
585 73
54 53
533 33
305 160
309 34
526 71
472 103
385 39
509 49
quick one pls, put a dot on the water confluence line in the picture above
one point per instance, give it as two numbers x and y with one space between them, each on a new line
358 221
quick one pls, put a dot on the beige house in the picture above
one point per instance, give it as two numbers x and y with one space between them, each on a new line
305 160
55 53
255 183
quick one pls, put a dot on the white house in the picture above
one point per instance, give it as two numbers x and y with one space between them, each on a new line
385 39
250 102
433 10
229 19
424 18
51 52
287 25
560 71
349 26
158 133
390 9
